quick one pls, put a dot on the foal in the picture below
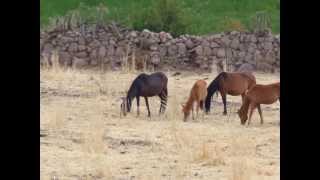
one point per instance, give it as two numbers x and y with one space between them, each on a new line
198 94
146 86
258 94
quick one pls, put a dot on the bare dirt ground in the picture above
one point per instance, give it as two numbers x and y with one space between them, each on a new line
85 138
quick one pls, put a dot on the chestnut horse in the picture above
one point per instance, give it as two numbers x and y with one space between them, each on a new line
235 84
258 94
146 86
198 94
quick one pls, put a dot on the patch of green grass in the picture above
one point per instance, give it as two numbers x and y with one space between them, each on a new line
202 17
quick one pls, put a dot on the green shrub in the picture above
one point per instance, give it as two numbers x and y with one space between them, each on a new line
163 15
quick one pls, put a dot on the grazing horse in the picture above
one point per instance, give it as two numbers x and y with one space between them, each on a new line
147 86
234 84
258 94
198 94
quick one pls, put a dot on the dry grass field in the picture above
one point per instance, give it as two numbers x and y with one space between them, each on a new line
85 138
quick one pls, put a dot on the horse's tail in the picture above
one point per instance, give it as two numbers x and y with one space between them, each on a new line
164 98
213 87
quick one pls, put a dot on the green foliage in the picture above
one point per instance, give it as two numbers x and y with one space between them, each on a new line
230 24
260 22
177 16
164 15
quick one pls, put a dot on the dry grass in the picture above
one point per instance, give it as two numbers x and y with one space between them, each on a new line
88 139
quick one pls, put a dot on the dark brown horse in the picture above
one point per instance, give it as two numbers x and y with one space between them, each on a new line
198 94
147 86
234 84
258 94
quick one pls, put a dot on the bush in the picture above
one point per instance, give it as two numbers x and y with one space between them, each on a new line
163 15
260 22
232 25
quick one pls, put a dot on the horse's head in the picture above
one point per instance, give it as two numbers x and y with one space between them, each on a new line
185 112
243 117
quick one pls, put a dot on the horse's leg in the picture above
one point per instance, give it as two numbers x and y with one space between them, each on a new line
224 100
192 112
198 105
147 104
138 104
252 108
260 113
242 97
202 108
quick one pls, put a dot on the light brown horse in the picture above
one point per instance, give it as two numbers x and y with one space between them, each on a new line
235 84
198 94
258 94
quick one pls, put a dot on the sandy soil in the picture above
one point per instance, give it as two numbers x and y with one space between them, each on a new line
85 138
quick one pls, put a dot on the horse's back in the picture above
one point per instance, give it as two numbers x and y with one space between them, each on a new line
200 88
237 83
264 94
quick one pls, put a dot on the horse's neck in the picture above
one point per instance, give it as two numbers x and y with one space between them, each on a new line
189 103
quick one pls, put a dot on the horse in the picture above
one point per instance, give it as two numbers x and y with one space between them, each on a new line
146 86
235 84
258 94
198 94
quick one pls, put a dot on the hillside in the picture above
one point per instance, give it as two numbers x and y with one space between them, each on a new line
209 16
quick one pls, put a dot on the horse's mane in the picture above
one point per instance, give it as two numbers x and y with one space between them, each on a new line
212 88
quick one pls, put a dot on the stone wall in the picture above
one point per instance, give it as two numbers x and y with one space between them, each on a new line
89 46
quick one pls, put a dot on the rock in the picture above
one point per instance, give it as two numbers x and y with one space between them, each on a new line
242 54
82 54
205 43
81 48
257 56
65 58
248 58
234 33
47 48
253 39
252 48
207 51
262 66
110 51
95 44
102 52
182 50
133 34
155 58
221 53
163 51
93 54
172 50
246 67
153 47
226 41
268 46
214 45
81 41
73 47
216 36
119 52
270 57
189 44
235 44
79 63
